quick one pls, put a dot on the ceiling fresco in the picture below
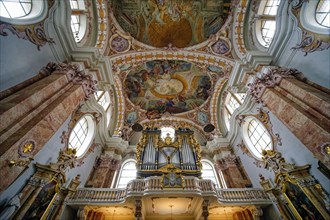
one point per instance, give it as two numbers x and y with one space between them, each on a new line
172 86
177 23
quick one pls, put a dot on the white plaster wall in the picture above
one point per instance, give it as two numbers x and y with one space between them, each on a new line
315 66
21 60
292 150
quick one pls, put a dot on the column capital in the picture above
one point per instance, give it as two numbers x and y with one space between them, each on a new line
107 161
75 75
227 161
271 76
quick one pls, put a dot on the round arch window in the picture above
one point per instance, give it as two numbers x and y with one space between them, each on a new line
82 135
208 172
256 137
322 13
22 12
127 173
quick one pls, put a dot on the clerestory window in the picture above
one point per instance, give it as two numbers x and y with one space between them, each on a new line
78 19
127 173
208 172
103 98
322 13
256 137
266 24
233 101
82 135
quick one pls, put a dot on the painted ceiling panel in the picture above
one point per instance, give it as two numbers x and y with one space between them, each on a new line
178 23
172 86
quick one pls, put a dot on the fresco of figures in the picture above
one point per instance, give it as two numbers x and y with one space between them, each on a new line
176 22
167 86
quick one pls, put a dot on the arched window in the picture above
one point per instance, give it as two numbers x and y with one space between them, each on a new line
256 137
233 101
103 98
82 135
266 24
22 11
208 172
78 19
127 173
15 9
322 13
167 130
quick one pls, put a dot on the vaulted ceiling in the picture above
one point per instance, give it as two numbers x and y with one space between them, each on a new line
180 23
170 62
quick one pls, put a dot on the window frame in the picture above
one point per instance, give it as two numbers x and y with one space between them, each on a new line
121 172
229 111
217 182
38 12
79 11
306 13
98 95
318 12
89 136
247 140
262 19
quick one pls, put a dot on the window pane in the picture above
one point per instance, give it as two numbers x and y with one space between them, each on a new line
259 137
78 136
268 31
271 7
15 8
127 174
322 13
208 172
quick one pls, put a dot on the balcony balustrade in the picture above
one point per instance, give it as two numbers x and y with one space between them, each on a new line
154 185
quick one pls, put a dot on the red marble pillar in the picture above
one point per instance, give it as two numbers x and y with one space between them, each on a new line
233 172
31 115
302 106
103 172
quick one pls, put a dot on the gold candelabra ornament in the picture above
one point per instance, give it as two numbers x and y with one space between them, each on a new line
20 163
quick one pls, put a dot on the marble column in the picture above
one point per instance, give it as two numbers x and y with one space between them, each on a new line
103 172
138 209
233 171
205 209
299 104
30 115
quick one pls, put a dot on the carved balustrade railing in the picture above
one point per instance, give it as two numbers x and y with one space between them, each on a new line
191 186
98 195
241 195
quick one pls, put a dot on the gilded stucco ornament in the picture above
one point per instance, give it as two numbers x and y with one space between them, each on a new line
20 163
35 33
66 159
310 41
296 192
26 148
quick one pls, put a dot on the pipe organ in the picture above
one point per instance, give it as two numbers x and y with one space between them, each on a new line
179 152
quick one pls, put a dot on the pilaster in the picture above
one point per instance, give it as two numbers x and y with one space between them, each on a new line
231 168
31 115
302 106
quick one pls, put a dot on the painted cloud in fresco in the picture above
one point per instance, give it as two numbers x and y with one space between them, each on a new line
167 86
